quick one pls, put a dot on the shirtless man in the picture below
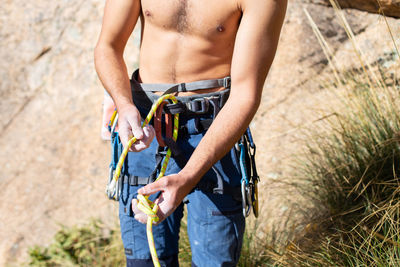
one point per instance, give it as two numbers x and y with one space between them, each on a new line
184 41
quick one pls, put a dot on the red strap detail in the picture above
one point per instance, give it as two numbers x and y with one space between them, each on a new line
168 125
157 124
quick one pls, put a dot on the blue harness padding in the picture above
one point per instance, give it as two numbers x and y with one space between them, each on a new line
115 149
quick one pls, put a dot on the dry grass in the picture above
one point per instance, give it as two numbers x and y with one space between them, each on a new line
351 167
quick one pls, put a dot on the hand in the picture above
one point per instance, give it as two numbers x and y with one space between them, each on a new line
129 125
173 189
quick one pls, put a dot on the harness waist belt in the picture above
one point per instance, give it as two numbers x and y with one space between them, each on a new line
168 88
197 104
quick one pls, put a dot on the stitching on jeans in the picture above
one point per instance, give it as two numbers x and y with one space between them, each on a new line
225 213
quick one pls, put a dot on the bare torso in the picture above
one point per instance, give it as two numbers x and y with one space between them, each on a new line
186 40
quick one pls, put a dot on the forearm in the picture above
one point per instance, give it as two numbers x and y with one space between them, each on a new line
224 132
119 20
111 69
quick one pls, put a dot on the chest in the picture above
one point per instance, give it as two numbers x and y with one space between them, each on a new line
191 16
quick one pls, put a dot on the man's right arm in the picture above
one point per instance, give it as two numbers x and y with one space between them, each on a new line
120 18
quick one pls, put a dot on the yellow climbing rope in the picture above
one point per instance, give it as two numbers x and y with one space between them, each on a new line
144 204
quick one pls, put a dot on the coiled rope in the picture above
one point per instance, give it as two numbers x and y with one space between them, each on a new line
144 204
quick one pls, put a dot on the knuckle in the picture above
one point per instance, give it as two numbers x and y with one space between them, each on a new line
165 182
138 147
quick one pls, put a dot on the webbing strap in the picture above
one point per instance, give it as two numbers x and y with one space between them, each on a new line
136 180
213 188
168 88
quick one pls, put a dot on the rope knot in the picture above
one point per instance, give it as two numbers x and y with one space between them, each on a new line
148 207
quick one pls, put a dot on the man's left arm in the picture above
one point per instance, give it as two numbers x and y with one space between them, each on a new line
255 47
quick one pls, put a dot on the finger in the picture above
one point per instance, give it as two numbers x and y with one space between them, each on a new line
139 146
151 131
140 216
160 214
152 188
145 142
149 134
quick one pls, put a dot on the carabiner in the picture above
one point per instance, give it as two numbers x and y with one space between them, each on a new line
245 196
110 190
254 197
245 188
113 190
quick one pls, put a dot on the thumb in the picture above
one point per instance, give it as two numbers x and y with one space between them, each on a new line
150 188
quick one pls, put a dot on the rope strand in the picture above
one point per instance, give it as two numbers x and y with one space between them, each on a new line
144 204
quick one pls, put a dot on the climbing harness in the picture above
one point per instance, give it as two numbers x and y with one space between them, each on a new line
144 204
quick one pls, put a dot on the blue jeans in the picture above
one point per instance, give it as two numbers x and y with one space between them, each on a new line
215 222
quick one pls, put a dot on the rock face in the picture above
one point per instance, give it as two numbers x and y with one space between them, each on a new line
389 7
54 165
53 162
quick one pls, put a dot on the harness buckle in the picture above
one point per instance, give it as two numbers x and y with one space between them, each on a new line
198 106
246 199
227 82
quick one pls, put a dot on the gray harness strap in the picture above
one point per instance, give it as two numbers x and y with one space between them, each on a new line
168 88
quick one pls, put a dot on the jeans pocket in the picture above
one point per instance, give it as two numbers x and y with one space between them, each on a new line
216 229
226 229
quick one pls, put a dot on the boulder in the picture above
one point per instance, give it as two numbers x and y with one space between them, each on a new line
388 7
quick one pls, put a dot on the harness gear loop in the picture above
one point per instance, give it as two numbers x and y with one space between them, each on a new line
144 204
